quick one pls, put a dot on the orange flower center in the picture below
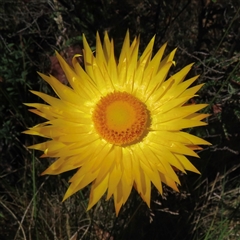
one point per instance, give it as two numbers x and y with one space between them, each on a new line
120 118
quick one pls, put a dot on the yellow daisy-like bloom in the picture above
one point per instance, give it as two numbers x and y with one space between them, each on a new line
119 123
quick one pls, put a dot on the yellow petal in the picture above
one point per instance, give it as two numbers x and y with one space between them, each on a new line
169 182
97 192
186 163
114 179
127 184
180 76
118 199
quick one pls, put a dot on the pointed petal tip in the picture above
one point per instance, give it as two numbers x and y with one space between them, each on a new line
90 205
204 142
28 104
32 91
195 170
117 210
65 198
25 132
68 194
41 74
174 50
45 172
176 188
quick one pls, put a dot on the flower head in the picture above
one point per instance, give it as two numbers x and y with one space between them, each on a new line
120 122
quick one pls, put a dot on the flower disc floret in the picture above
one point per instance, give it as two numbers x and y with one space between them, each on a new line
120 118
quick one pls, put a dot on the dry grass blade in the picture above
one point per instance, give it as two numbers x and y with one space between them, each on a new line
15 217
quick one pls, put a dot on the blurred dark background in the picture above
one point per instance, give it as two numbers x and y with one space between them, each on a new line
206 32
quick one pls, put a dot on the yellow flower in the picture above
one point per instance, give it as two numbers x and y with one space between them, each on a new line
120 122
